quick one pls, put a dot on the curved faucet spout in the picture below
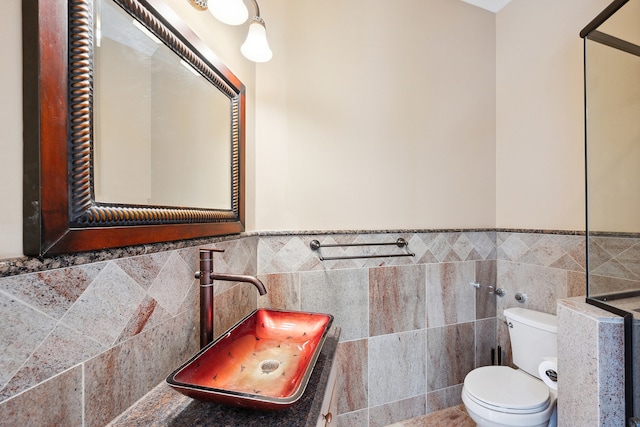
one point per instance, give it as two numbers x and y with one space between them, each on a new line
207 276
241 278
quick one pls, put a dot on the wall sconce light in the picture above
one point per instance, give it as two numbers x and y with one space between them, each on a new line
230 12
234 12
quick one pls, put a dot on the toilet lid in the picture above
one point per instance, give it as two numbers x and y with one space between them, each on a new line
507 390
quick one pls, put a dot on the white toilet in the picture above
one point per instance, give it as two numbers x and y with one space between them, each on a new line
497 396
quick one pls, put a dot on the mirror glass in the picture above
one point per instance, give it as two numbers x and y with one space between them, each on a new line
161 130
128 140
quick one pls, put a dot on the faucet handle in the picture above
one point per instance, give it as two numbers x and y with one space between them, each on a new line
206 256
211 250
206 265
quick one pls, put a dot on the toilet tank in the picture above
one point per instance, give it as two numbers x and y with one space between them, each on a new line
533 337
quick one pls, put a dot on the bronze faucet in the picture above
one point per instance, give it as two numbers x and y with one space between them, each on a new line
207 276
241 278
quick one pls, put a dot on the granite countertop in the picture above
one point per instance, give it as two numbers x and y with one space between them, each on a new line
164 406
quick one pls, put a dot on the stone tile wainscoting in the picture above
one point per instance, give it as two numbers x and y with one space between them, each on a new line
590 366
546 267
614 263
412 327
83 342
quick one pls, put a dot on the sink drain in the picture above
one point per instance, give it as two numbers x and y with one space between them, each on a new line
269 366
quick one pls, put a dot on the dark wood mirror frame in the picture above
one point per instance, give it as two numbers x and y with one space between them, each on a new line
59 210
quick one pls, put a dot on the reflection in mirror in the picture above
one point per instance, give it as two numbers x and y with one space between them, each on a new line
160 128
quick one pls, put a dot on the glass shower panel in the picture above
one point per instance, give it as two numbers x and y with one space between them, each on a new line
613 171
612 105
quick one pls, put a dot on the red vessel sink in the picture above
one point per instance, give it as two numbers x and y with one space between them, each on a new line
263 362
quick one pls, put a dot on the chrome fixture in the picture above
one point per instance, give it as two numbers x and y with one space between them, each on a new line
520 297
552 375
499 292
234 12
199 4
207 276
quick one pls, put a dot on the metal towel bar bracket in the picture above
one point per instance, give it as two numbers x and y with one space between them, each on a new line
401 243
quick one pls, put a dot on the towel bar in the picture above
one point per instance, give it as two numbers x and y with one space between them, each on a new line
401 243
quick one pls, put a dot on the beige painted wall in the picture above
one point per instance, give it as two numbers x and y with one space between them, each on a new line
327 154
376 115
540 126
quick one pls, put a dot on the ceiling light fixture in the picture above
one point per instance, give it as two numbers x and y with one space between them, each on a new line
234 12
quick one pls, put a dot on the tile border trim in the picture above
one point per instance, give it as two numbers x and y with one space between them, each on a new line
24 265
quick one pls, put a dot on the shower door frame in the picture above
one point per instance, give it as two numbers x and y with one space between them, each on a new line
590 32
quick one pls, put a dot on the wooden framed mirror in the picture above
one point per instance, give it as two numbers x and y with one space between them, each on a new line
64 135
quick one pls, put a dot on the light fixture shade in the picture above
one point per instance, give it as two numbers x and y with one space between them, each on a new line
255 47
230 12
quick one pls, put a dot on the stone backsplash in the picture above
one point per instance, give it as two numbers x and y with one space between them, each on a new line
85 337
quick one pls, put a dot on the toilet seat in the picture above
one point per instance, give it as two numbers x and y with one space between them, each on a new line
504 389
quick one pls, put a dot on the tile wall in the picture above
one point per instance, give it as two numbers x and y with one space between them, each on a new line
614 264
590 366
81 343
393 308
412 327
546 267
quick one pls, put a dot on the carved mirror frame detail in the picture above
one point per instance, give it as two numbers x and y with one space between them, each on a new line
60 213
